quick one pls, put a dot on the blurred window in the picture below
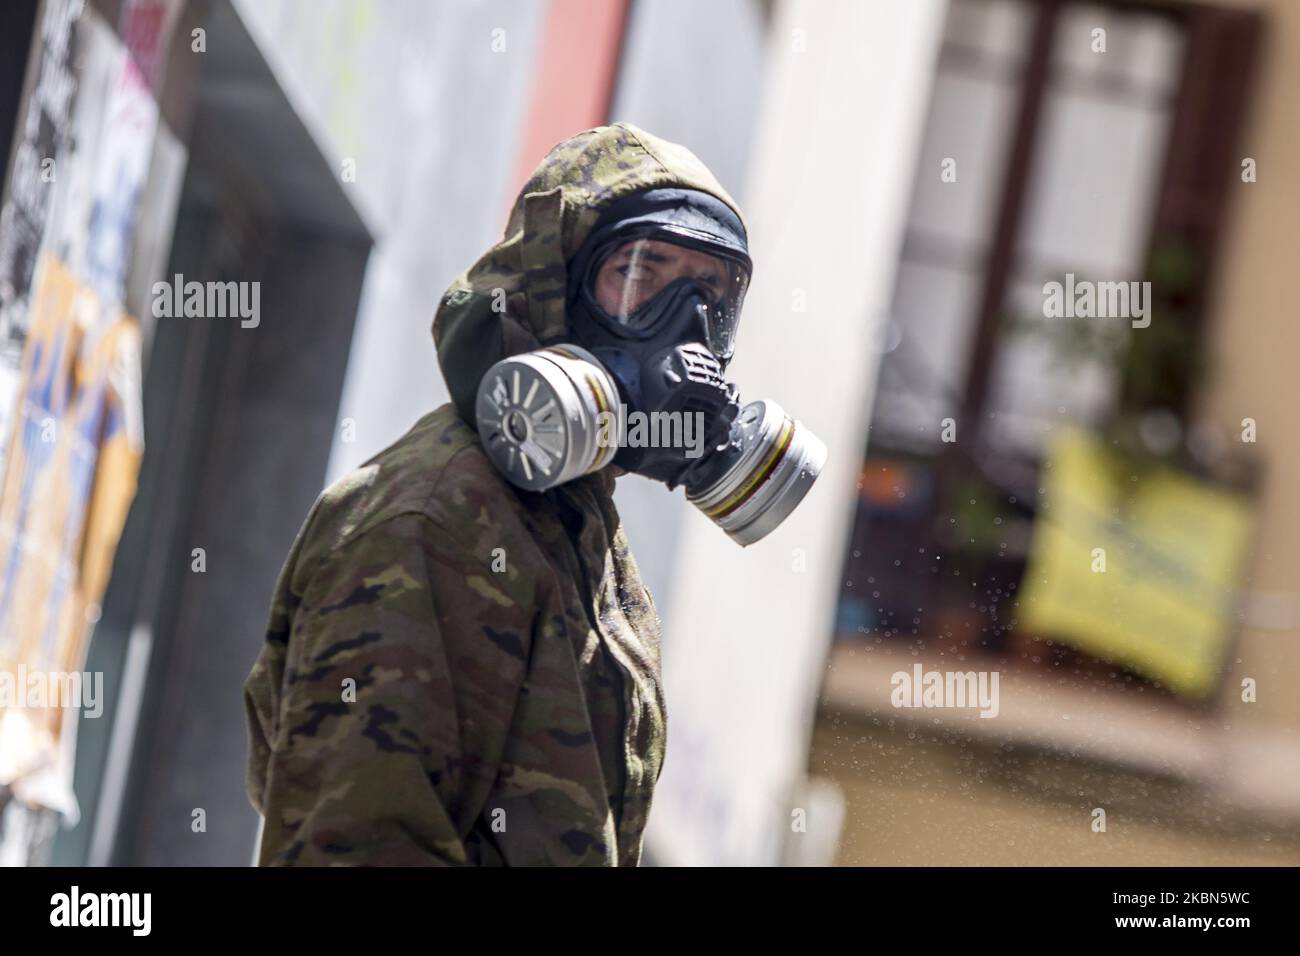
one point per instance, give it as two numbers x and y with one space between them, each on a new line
1043 155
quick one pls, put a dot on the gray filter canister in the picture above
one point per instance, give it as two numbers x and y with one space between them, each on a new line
539 416
770 470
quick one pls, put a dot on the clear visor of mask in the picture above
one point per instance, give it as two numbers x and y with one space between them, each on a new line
628 280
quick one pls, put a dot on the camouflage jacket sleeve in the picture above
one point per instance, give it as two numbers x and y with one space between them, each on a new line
380 705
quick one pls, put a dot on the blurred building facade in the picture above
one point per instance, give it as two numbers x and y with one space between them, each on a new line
1133 727
353 156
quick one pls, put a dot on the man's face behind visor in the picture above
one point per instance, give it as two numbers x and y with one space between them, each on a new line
630 278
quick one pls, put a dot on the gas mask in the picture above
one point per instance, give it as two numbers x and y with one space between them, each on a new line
654 301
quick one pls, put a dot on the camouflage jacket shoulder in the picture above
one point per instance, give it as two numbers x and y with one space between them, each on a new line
455 671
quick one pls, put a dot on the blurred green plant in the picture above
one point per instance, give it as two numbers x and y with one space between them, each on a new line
1158 367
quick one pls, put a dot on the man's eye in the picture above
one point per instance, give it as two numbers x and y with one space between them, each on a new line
713 285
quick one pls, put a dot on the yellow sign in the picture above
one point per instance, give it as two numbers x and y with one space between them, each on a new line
1139 568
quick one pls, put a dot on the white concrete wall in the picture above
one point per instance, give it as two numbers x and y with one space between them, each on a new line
846 84
416 95
690 72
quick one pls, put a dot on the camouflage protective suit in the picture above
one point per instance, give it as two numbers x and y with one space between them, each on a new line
503 651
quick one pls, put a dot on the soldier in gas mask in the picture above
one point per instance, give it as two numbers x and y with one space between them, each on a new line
472 584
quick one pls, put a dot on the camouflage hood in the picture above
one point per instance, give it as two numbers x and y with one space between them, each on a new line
513 298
